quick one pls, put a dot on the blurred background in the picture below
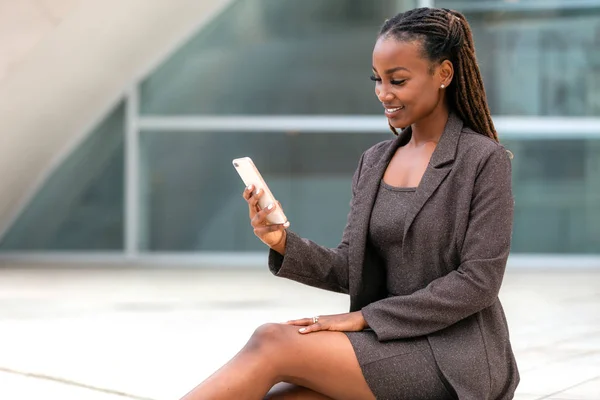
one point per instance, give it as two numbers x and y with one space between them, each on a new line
120 120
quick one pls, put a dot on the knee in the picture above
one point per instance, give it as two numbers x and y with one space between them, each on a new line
267 338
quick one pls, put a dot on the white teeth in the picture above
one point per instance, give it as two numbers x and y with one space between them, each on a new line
393 110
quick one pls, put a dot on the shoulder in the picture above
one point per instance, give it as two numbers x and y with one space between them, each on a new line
474 143
374 153
478 149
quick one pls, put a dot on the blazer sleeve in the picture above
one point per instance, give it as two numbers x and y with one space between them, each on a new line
475 284
314 265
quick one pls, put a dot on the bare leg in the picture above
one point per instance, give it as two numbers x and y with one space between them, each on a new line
323 362
287 391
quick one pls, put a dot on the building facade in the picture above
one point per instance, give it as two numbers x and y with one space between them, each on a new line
287 83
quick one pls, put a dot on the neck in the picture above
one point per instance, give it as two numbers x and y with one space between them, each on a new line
430 128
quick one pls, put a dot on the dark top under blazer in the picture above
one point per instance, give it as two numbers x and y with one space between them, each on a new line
457 240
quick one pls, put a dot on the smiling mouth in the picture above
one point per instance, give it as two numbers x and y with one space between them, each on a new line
393 110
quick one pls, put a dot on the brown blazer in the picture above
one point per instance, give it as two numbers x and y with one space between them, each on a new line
456 243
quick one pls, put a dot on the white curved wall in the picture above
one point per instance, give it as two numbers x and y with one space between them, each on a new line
24 24
71 77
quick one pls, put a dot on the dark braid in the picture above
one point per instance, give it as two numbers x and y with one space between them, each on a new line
446 35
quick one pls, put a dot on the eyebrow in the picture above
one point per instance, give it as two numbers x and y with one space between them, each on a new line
392 70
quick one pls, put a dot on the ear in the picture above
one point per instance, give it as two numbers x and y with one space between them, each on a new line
445 73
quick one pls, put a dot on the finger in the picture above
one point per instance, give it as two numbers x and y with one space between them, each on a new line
312 328
260 217
287 223
253 206
300 322
263 230
254 197
248 192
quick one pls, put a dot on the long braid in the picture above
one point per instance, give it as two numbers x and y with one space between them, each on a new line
446 34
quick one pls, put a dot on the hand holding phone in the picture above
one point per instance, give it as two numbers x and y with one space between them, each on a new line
266 216
252 177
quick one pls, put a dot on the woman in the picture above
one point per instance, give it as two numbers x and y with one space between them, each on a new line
422 255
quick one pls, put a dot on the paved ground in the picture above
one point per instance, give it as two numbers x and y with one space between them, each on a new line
153 334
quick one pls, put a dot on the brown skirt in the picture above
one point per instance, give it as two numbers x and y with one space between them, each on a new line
400 369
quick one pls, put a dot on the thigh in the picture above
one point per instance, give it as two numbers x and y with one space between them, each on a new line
321 361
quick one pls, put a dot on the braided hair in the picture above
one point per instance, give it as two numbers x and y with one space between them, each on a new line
446 35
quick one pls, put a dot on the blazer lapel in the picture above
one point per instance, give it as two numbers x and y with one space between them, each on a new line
366 193
368 186
437 170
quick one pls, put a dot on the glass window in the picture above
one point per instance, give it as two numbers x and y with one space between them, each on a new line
537 57
193 193
80 207
275 57
557 195
278 57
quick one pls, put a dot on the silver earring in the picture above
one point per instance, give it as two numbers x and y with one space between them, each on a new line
443 86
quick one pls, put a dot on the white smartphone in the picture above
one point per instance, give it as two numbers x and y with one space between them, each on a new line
250 175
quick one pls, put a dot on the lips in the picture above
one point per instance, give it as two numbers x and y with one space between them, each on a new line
392 110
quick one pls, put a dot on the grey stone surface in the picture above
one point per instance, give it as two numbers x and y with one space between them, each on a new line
111 334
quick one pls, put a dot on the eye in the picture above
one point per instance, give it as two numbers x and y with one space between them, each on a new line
400 82
375 79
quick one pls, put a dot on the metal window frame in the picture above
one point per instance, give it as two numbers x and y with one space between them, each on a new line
510 127
132 173
520 6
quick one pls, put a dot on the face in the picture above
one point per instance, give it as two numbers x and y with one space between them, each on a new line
406 83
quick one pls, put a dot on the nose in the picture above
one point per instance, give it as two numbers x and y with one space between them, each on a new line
383 94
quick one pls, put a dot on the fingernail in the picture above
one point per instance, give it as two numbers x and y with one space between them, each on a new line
270 206
286 225
258 191
301 329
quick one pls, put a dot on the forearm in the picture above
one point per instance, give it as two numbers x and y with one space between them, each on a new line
442 303
309 263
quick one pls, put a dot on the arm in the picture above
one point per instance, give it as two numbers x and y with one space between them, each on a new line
314 265
475 284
